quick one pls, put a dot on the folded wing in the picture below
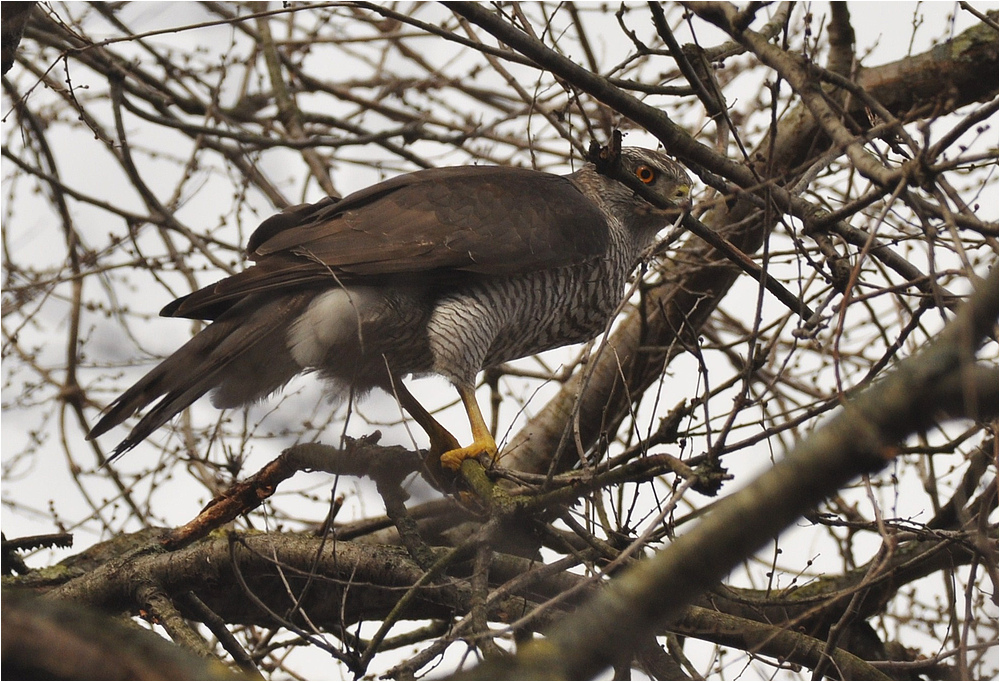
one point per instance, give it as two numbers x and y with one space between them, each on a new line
430 224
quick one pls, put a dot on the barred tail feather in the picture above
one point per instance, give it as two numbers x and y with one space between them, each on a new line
243 356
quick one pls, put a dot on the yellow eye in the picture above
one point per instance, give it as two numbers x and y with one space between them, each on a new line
646 174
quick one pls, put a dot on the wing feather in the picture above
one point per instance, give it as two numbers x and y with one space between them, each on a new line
485 220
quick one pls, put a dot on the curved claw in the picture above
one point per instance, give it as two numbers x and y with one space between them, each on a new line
453 458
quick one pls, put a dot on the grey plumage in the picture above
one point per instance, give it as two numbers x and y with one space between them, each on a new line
443 271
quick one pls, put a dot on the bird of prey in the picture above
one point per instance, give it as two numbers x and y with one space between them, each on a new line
444 271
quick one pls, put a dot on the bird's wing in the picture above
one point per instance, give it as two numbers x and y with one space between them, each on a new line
487 220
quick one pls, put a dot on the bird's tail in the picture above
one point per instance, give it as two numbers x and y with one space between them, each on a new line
243 356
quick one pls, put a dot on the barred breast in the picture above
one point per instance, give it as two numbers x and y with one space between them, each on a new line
510 318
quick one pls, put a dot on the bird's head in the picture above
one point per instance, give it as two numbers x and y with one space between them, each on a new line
659 184
644 189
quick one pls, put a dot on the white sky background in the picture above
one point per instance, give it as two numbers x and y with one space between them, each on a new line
884 32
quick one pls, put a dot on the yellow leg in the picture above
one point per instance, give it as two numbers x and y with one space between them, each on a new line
444 445
482 439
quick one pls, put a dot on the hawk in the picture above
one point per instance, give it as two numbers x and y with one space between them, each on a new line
444 271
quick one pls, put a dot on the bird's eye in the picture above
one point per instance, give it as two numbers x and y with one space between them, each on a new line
646 174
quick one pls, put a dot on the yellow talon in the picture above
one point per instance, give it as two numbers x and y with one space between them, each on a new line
451 453
482 439
453 458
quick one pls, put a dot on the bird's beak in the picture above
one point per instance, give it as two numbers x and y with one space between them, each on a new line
682 197
680 202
